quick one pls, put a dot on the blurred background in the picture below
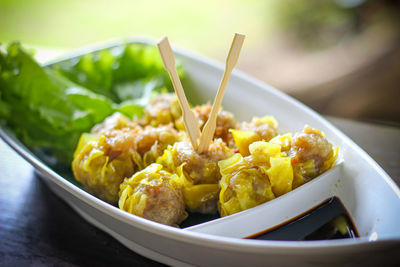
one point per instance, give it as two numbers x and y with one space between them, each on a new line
341 57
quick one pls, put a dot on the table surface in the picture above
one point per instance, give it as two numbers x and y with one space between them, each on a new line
37 228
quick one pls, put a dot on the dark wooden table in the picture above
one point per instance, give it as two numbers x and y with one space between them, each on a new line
39 229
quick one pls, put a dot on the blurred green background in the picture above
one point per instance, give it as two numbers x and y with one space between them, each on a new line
340 57
204 26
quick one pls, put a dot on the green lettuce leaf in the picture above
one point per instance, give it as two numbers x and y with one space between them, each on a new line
44 109
48 108
119 73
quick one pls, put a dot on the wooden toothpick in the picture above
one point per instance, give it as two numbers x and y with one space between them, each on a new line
231 60
190 121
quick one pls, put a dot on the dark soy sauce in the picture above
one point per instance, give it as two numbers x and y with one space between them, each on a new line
329 220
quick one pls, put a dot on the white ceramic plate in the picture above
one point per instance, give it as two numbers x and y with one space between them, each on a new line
368 193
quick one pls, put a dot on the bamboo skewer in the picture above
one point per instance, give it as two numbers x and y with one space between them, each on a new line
190 121
231 60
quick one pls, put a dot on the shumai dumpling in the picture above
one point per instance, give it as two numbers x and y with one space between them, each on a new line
163 109
152 141
154 194
225 121
200 173
259 129
101 162
250 181
265 170
311 154
116 121
116 149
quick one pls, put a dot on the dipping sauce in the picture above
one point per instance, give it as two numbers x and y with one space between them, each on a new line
329 220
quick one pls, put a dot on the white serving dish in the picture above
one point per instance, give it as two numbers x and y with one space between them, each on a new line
368 193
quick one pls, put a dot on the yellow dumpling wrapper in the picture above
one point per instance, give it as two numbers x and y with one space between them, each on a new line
156 115
284 141
148 194
266 120
329 163
195 196
135 202
266 148
83 140
249 195
242 186
262 151
305 171
167 160
97 172
243 139
232 164
281 175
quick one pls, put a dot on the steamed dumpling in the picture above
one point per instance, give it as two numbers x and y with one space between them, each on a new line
154 194
200 172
